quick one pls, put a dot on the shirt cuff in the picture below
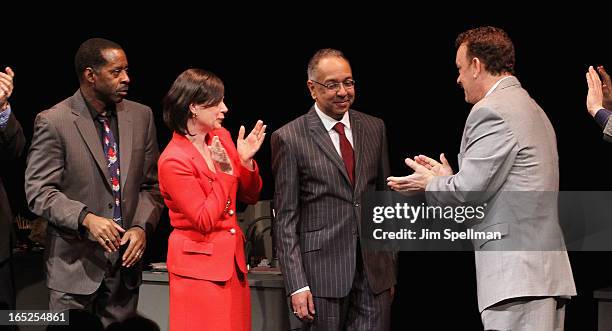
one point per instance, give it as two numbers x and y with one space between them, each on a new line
601 117
303 289
4 117
138 226
81 229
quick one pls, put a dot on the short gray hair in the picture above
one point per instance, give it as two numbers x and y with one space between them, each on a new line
321 54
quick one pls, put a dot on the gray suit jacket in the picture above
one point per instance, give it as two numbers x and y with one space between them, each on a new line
509 146
318 211
12 142
67 172
607 133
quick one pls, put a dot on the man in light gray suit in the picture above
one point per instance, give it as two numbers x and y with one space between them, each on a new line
92 172
599 99
323 162
508 146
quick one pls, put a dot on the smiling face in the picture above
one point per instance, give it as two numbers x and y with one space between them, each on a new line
332 102
111 81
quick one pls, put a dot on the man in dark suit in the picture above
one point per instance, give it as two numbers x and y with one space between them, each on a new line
12 142
92 172
323 162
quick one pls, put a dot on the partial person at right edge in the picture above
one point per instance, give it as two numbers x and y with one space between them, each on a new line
599 99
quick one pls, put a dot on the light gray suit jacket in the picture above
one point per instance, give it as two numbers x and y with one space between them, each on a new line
509 146
608 131
318 211
67 172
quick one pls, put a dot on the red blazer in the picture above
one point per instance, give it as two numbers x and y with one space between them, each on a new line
206 239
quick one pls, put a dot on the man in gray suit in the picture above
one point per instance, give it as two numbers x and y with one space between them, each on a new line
323 162
508 146
599 99
12 142
92 172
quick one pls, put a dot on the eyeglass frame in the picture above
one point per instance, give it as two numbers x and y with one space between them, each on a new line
338 84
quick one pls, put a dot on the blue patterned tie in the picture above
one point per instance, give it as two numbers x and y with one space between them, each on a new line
111 151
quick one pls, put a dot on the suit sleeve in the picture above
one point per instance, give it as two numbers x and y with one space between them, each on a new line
489 155
287 203
383 166
12 143
43 176
384 172
12 140
249 181
249 184
607 133
150 203
186 196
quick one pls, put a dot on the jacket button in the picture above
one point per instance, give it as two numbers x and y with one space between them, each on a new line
356 204
230 212
233 231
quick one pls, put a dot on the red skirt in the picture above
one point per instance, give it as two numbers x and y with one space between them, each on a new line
197 304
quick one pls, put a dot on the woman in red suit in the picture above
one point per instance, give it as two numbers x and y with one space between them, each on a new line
201 173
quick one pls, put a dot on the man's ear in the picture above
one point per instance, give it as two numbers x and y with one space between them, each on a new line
88 74
311 88
477 66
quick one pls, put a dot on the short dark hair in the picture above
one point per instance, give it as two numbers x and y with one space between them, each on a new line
492 46
89 54
319 55
192 86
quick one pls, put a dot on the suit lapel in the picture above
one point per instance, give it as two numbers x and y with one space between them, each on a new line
185 145
322 139
124 120
88 132
358 135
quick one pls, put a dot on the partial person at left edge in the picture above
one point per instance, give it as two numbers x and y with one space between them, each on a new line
92 172
12 142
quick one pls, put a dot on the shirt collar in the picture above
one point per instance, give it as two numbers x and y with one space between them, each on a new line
496 85
111 111
329 122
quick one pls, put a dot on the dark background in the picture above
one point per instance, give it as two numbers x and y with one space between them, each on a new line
403 62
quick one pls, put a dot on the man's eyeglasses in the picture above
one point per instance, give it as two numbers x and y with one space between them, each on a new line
335 86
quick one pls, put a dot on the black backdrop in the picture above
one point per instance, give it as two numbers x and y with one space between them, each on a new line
403 62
